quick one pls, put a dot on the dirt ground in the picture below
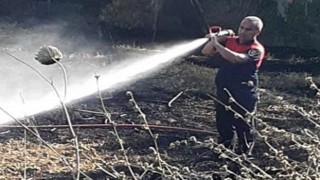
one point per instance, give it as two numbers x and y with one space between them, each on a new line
179 96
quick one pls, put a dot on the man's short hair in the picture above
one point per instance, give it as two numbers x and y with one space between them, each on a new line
256 21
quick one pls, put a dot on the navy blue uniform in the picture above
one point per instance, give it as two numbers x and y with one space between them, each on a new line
241 81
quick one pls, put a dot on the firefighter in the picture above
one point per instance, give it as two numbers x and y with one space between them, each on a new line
237 80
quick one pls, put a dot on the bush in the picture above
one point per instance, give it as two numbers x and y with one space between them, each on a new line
128 14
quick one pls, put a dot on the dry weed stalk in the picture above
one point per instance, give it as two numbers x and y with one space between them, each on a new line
146 127
24 153
163 166
174 98
25 139
100 167
313 85
61 157
289 169
225 153
309 171
289 166
239 117
62 102
115 131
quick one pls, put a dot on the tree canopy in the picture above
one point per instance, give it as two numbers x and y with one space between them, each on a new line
290 23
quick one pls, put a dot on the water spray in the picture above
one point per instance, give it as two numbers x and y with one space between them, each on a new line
127 72
118 74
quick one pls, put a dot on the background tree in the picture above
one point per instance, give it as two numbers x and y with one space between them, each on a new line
289 23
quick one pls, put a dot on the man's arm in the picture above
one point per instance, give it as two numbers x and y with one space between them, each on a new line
234 57
231 56
209 49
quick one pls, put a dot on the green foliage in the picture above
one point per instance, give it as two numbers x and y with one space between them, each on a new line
128 14
229 13
294 24
303 24
291 23
92 9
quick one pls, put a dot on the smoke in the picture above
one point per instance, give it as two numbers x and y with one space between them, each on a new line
25 93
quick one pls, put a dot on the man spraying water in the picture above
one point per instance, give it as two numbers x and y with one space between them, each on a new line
237 80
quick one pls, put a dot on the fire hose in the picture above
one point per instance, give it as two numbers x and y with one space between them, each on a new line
155 127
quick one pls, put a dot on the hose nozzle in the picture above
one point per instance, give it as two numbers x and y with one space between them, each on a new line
217 31
225 32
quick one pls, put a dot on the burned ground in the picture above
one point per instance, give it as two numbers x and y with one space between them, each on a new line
178 96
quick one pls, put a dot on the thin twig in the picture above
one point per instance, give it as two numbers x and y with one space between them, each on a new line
251 114
76 142
25 154
106 113
100 167
25 142
162 163
114 126
146 127
229 108
87 111
174 98
63 159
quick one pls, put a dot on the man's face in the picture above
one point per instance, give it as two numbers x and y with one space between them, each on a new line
247 31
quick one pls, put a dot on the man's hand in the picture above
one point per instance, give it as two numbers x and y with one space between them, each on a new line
214 40
209 35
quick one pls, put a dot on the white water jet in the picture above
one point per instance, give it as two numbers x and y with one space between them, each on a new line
125 72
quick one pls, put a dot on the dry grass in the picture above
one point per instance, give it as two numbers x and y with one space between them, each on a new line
287 145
